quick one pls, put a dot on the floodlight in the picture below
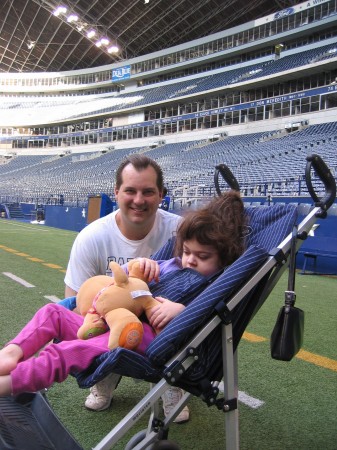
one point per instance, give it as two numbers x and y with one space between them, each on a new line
84 28
113 49
72 18
91 33
60 10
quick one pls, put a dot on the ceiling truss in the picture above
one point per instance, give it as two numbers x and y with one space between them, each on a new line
32 39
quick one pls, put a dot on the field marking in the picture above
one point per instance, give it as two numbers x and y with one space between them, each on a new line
318 360
18 279
253 337
9 250
52 298
32 258
52 266
304 355
244 398
26 227
250 401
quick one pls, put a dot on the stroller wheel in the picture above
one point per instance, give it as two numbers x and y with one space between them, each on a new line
138 437
135 440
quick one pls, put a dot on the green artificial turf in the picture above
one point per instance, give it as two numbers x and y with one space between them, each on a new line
300 398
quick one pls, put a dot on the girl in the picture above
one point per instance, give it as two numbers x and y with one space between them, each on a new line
207 240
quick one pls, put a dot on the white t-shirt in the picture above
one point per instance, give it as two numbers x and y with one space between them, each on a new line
101 242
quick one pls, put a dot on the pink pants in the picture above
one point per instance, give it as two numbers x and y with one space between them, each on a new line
56 361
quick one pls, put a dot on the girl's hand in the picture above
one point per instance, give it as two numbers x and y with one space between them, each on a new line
161 315
150 269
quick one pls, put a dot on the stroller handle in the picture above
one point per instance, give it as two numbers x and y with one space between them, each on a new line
227 176
316 162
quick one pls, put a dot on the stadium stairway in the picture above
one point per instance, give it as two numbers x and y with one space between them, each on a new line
15 211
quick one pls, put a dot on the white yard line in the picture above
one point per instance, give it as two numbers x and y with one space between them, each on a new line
248 400
252 402
52 298
14 230
18 280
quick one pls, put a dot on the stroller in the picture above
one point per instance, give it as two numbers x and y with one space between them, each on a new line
213 323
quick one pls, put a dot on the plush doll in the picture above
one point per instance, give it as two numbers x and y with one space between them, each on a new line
116 304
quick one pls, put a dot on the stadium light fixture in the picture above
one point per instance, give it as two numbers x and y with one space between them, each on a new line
113 49
105 41
91 33
60 10
72 18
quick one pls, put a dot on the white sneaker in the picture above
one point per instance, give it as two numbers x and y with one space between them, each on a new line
170 398
101 393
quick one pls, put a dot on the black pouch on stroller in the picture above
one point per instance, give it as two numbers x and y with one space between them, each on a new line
287 336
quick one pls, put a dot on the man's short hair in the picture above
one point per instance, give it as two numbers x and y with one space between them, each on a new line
140 162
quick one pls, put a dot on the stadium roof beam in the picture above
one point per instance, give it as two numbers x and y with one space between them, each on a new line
137 27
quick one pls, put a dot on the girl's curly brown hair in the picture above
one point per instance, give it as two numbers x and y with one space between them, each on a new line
220 224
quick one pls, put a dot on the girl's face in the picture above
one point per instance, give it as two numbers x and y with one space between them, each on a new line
202 258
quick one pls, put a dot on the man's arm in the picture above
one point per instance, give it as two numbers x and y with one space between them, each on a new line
68 292
80 265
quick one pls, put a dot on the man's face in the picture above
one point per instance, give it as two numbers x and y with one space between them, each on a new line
138 197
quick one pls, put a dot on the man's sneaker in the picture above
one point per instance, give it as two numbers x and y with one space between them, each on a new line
101 393
170 398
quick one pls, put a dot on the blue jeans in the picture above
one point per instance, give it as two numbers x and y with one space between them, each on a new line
69 303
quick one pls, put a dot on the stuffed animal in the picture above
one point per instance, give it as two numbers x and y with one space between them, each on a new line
116 304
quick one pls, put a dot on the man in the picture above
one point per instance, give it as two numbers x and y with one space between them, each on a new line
137 229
